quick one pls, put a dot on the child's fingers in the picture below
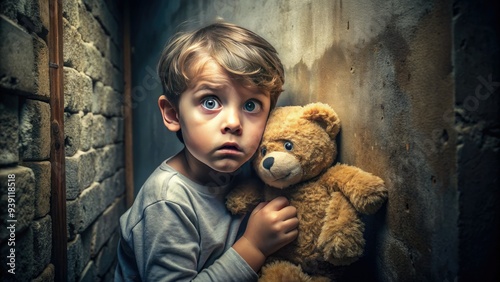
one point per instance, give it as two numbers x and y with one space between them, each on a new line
288 212
274 205
259 207
290 225
278 203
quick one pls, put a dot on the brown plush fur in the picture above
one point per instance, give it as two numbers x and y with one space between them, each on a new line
297 152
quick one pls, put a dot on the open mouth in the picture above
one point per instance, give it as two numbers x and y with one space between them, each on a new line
230 147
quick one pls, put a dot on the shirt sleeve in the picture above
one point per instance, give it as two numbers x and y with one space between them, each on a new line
166 248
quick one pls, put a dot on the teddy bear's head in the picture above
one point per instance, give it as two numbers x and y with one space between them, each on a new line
298 144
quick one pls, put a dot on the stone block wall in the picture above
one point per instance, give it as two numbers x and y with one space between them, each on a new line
93 121
26 233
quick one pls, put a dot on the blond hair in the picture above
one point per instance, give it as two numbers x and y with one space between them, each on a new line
243 54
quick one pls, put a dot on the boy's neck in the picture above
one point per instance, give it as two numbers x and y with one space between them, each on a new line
192 168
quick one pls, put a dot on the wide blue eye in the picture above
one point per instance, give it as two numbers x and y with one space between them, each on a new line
288 145
251 106
210 103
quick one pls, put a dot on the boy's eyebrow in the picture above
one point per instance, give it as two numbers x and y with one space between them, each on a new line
204 84
208 85
263 93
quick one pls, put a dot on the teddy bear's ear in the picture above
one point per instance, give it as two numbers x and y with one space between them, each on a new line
324 115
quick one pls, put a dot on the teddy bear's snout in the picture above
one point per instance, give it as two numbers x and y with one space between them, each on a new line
268 163
280 169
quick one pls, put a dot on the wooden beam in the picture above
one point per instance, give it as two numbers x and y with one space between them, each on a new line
127 107
57 155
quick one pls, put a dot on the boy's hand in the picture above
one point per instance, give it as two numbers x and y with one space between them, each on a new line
272 225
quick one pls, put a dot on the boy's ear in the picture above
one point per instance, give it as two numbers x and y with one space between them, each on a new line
169 114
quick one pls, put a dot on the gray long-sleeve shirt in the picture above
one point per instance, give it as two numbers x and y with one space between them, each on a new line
178 230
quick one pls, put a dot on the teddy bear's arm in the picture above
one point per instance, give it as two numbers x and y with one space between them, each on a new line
341 238
245 196
364 190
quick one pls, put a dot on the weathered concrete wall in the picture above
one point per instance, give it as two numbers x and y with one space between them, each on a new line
477 81
387 67
152 23
93 89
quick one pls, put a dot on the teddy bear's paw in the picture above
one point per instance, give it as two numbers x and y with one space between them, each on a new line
243 198
370 195
284 271
342 248
235 206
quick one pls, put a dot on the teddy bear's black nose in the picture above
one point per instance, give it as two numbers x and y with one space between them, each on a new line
268 163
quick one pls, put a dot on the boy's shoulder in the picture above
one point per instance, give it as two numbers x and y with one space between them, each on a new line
163 191
160 184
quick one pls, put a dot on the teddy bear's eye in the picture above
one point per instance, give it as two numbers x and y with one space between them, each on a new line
288 145
263 151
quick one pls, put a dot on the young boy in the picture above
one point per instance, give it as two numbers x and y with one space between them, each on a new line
220 83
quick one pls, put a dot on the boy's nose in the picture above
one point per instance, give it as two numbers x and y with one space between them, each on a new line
232 123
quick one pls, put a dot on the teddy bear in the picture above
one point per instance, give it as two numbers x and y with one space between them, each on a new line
296 160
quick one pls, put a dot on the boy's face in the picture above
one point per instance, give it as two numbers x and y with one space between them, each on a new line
222 122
